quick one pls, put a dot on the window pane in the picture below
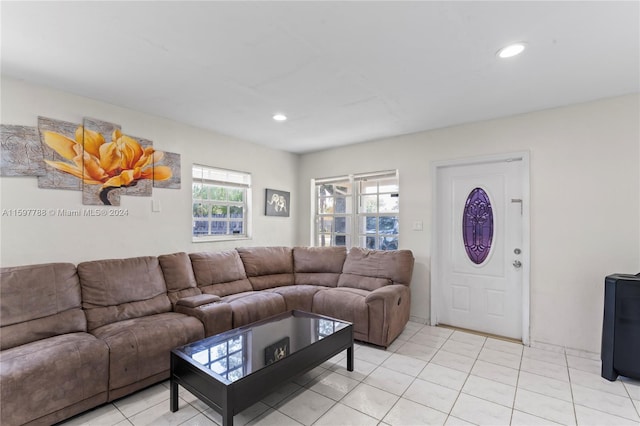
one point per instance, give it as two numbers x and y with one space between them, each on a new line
236 212
388 243
200 210
388 224
236 227
370 243
325 224
218 193
325 205
389 203
341 205
199 192
368 224
324 240
341 240
236 195
342 225
369 204
218 211
218 227
328 190
200 227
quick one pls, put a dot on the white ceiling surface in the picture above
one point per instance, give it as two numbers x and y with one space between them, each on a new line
343 72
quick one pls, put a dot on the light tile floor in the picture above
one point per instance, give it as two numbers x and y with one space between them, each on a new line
428 376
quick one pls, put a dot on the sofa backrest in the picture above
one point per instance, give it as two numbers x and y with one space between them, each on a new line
268 267
178 276
318 265
372 269
120 289
39 301
220 273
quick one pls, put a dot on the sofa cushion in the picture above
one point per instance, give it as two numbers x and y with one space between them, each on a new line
48 375
253 306
395 265
220 273
178 276
345 303
122 289
39 301
318 265
198 300
268 267
140 347
363 283
299 297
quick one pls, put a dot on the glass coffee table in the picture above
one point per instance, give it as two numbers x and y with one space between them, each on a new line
233 370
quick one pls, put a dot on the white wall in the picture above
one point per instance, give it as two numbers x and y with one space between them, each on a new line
26 240
585 203
585 197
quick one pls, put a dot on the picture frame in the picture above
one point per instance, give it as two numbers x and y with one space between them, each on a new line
277 351
277 203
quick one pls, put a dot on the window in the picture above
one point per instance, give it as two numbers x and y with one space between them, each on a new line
358 210
220 201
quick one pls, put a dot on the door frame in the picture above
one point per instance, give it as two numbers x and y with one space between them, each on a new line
436 286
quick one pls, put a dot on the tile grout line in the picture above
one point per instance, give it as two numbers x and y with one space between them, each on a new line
515 394
573 401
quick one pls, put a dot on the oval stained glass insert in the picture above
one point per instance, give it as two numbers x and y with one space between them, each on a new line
477 226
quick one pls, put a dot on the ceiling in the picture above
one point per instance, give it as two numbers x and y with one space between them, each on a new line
343 72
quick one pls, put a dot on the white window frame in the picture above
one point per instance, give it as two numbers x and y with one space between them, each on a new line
357 211
230 179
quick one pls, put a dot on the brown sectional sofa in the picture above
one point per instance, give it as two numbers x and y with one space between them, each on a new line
73 338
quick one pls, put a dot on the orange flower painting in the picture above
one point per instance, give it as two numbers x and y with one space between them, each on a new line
119 163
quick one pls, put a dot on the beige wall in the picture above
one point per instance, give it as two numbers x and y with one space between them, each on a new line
585 203
27 240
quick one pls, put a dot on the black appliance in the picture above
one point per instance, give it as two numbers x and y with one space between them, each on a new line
620 353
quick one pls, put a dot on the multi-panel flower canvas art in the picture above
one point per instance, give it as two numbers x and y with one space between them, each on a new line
94 157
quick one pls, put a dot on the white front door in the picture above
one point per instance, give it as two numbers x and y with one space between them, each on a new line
480 257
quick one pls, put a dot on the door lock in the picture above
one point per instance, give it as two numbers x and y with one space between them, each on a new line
517 264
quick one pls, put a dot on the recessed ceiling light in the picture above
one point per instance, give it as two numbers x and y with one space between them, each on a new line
280 117
511 50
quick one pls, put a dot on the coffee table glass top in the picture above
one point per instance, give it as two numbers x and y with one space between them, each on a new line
235 354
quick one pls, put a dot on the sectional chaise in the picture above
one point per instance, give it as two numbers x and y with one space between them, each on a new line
73 338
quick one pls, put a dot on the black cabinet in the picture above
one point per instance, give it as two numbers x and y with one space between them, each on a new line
620 353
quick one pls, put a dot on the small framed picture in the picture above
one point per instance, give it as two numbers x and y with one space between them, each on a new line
277 351
277 203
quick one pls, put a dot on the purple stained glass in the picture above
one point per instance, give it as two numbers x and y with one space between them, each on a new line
477 226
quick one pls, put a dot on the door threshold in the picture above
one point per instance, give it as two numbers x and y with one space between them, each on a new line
481 333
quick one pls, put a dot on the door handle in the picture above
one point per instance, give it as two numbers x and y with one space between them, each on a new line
517 264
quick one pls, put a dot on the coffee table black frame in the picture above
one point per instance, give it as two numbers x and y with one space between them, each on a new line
229 398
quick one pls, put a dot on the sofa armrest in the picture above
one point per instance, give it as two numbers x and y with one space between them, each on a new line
216 317
388 294
388 313
197 300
